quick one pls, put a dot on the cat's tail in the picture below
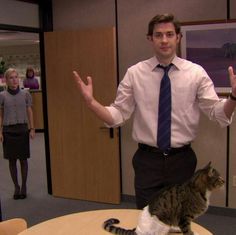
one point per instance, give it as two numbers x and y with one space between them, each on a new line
108 225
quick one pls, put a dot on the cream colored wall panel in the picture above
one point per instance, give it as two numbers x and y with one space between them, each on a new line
232 165
19 13
133 45
128 148
210 145
73 14
197 10
232 9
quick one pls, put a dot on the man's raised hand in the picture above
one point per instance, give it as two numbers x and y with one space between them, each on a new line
232 77
86 90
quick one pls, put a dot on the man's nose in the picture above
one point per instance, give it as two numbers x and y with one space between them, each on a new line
164 38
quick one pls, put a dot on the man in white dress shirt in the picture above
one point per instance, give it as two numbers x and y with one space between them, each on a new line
192 91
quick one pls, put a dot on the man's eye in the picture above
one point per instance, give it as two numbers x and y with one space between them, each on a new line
158 35
170 34
161 35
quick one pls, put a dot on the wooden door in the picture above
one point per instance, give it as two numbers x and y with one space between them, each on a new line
37 109
84 155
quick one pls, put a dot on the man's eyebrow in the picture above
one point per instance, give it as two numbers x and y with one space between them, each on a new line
172 31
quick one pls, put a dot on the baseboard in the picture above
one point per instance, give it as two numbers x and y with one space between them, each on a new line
222 211
128 198
39 130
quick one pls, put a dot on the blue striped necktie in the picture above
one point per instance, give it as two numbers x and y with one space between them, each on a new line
164 112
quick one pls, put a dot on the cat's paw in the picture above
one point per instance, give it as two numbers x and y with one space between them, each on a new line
175 230
195 233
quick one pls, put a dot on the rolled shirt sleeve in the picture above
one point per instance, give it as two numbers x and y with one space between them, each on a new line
219 114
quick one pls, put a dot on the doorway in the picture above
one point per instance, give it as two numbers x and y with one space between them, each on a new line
20 50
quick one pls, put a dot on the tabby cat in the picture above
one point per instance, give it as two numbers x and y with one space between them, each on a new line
174 206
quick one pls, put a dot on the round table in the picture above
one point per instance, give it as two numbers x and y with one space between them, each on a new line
90 223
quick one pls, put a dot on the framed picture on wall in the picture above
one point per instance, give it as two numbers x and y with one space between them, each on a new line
213 46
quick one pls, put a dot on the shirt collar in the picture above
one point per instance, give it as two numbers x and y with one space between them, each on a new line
13 92
176 62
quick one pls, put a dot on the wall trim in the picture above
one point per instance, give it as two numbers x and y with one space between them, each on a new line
221 211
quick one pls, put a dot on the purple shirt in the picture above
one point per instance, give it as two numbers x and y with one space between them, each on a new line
31 83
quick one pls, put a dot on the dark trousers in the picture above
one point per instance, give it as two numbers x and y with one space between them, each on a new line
153 171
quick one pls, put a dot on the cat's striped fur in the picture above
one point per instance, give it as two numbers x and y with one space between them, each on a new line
176 205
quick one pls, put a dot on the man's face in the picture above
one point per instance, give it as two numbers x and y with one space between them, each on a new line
164 41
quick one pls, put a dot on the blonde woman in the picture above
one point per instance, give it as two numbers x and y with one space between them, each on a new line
17 126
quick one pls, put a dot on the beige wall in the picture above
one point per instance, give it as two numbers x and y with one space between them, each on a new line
19 13
211 145
73 14
233 7
232 165
133 29
133 17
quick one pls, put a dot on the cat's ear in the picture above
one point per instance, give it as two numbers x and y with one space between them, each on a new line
210 172
209 169
208 165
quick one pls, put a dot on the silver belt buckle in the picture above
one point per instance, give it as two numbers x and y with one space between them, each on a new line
166 152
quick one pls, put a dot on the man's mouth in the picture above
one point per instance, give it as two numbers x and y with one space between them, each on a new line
164 48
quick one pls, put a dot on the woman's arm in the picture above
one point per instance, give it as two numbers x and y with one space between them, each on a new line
1 121
31 121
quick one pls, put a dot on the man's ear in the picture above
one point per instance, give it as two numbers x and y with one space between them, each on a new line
179 36
149 38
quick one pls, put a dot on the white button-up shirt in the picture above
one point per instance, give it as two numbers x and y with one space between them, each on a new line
192 90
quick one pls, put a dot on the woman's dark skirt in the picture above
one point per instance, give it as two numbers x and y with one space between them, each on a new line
16 142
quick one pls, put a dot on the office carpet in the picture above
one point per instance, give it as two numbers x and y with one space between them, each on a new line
40 206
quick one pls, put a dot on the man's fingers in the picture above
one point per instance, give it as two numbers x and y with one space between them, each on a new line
231 71
76 76
89 79
79 80
75 73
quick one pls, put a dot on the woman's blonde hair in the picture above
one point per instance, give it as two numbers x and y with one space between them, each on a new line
9 71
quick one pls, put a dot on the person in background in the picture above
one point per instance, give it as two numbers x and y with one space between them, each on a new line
17 125
30 81
192 91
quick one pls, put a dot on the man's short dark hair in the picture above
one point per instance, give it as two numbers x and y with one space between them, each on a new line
164 18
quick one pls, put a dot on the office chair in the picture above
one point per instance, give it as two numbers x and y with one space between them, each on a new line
12 226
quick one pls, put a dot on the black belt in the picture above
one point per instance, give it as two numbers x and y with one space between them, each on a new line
170 151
